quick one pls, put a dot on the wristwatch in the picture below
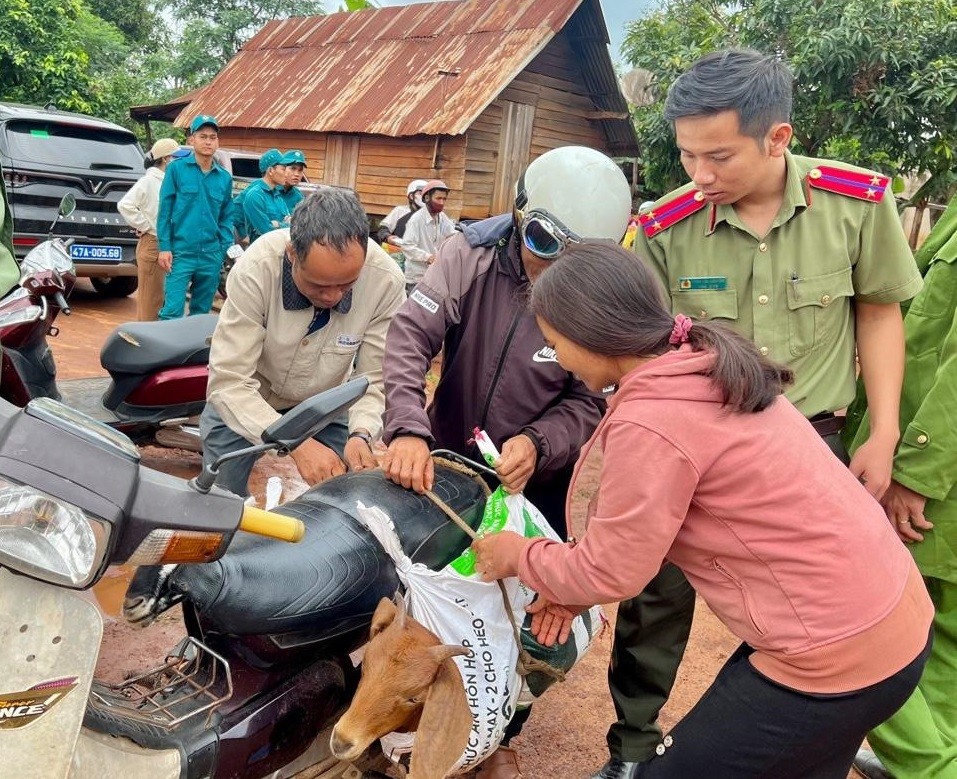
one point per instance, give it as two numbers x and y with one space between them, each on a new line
363 435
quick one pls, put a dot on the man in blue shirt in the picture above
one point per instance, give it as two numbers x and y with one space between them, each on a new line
194 224
263 208
295 162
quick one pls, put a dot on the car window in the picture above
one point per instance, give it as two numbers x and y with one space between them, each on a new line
245 167
72 146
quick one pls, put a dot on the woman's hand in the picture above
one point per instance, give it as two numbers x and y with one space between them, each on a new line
905 510
497 554
551 621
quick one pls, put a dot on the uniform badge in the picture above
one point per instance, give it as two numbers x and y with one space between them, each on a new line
702 282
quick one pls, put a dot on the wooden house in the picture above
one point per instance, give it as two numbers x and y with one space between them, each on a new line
469 91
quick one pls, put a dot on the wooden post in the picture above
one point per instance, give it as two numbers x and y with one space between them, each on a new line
915 225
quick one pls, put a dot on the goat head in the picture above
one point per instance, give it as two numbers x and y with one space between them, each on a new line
409 683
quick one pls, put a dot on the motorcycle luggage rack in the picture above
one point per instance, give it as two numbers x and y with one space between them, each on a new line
166 696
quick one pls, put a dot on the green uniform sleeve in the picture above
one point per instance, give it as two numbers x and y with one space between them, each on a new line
9 269
257 207
925 461
885 271
164 216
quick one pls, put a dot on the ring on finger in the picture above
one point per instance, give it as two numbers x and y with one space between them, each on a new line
903 522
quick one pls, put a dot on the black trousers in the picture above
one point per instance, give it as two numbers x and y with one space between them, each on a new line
748 727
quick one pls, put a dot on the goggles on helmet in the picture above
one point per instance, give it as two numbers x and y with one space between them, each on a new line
543 234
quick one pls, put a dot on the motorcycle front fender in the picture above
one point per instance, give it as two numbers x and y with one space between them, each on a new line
49 642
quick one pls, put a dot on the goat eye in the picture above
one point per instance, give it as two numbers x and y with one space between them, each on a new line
415 700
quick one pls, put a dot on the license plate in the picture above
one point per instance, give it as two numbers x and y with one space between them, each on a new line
83 251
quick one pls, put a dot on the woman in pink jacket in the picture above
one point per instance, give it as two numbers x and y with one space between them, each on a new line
706 465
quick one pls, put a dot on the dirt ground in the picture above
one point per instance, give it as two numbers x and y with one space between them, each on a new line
565 736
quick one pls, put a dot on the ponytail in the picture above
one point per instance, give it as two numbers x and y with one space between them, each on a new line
747 380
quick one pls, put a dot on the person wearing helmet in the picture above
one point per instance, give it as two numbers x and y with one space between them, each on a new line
497 372
393 225
425 231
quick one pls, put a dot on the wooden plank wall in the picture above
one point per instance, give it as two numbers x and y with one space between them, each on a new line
553 84
381 170
257 140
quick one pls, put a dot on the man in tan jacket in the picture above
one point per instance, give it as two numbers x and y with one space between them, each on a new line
307 308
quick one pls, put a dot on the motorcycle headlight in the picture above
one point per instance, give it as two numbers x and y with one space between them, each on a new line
48 538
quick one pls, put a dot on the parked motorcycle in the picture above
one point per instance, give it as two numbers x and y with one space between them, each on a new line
264 671
75 499
158 370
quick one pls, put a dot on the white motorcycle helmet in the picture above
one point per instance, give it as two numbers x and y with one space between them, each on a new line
569 194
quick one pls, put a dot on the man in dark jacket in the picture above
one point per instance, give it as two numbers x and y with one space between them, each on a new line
497 372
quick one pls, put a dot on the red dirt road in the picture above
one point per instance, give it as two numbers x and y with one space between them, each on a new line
565 736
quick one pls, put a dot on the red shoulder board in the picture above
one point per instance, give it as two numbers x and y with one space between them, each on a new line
671 212
863 186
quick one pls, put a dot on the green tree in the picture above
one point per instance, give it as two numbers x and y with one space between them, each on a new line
42 57
875 83
212 31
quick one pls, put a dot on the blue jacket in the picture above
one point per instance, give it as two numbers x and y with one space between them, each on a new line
264 210
195 210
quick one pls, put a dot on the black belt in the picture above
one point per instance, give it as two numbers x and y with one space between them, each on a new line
827 424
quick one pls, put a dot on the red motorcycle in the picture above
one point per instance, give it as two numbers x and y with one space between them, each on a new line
156 386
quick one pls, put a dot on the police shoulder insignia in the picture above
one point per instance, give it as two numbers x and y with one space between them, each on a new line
856 184
671 212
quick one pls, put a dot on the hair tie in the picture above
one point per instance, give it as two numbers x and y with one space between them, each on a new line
679 333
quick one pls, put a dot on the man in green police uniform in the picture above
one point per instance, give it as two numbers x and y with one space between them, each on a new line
798 254
920 741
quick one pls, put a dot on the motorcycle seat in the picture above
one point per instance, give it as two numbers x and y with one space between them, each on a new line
141 347
325 588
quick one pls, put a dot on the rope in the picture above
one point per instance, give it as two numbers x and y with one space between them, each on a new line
526 663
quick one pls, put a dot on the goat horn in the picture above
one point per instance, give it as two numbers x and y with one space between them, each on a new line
400 611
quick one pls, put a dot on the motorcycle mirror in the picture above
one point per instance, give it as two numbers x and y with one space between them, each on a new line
294 427
67 205
66 208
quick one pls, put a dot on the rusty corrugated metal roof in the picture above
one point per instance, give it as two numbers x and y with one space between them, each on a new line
427 68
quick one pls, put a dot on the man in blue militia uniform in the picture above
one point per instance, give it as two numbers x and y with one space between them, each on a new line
194 224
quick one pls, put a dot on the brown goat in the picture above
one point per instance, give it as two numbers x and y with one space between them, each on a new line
409 683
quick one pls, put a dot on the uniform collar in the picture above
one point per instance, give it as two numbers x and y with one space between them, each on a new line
795 198
294 300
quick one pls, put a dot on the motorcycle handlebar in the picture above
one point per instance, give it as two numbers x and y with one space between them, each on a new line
266 523
63 305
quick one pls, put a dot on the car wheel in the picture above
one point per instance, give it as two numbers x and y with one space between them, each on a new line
116 287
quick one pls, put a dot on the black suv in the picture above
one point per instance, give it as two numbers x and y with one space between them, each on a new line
47 153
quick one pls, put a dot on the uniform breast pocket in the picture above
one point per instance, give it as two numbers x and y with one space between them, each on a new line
705 304
337 361
818 307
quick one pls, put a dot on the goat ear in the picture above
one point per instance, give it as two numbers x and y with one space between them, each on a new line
444 652
445 723
383 617
401 612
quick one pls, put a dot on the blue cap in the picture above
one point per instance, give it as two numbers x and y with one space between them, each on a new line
201 121
182 151
270 158
294 157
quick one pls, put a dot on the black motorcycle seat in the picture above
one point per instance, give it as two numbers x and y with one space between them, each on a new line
141 347
327 586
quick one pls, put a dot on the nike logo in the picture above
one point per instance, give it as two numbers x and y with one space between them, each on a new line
545 354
